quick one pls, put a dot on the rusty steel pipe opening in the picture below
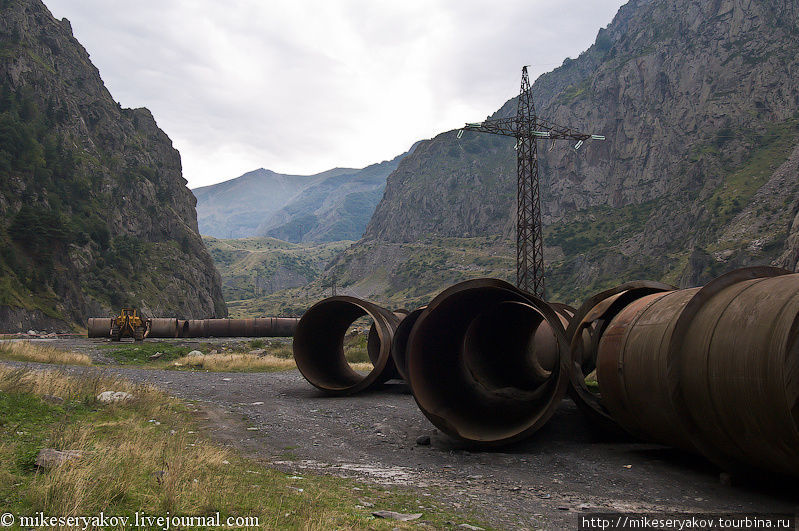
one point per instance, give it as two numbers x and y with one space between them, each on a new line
319 344
713 370
487 363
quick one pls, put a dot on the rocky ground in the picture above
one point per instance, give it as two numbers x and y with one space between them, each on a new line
546 482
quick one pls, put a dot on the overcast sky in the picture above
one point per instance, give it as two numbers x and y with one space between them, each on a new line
302 86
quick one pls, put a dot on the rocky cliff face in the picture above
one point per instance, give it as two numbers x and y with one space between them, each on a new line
698 100
94 211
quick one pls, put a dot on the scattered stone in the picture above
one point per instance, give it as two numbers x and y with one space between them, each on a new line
473 527
258 352
50 458
365 503
423 440
391 515
227 379
214 352
194 354
33 333
110 397
563 508
257 404
156 355
52 399
225 462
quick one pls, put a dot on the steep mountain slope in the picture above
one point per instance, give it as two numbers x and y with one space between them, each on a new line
236 208
699 102
94 211
334 209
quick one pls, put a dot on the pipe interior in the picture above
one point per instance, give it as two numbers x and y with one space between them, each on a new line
471 363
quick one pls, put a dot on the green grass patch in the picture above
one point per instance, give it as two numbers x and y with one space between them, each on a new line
145 455
139 353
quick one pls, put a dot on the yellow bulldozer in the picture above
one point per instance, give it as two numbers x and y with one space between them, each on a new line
128 324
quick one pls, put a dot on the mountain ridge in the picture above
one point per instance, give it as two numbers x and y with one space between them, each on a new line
333 205
699 106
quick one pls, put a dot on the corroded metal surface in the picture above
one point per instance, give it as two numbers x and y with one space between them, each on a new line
715 370
586 327
487 363
99 327
163 327
319 344
734 370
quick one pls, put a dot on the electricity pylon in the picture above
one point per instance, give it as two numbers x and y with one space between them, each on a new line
527 128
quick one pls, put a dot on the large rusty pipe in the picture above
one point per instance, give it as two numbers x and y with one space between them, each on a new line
99 327
586 327
197 328
281 326
715 369
319 344
487 363
163 327
160 327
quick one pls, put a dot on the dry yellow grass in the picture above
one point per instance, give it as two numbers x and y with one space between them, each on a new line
129 462
41 353
236 362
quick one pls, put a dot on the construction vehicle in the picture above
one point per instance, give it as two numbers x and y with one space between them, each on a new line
128 324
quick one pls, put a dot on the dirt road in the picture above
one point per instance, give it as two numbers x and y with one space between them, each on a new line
545 482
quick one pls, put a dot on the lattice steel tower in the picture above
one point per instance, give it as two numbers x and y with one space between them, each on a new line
527 128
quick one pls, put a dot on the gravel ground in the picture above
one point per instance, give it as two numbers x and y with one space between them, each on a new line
544 482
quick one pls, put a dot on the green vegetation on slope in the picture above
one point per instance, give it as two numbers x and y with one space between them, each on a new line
252 268
769 150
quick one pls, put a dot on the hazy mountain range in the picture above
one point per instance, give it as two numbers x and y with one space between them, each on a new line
330 206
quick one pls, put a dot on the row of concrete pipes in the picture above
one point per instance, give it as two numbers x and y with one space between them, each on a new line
176 328
713 370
